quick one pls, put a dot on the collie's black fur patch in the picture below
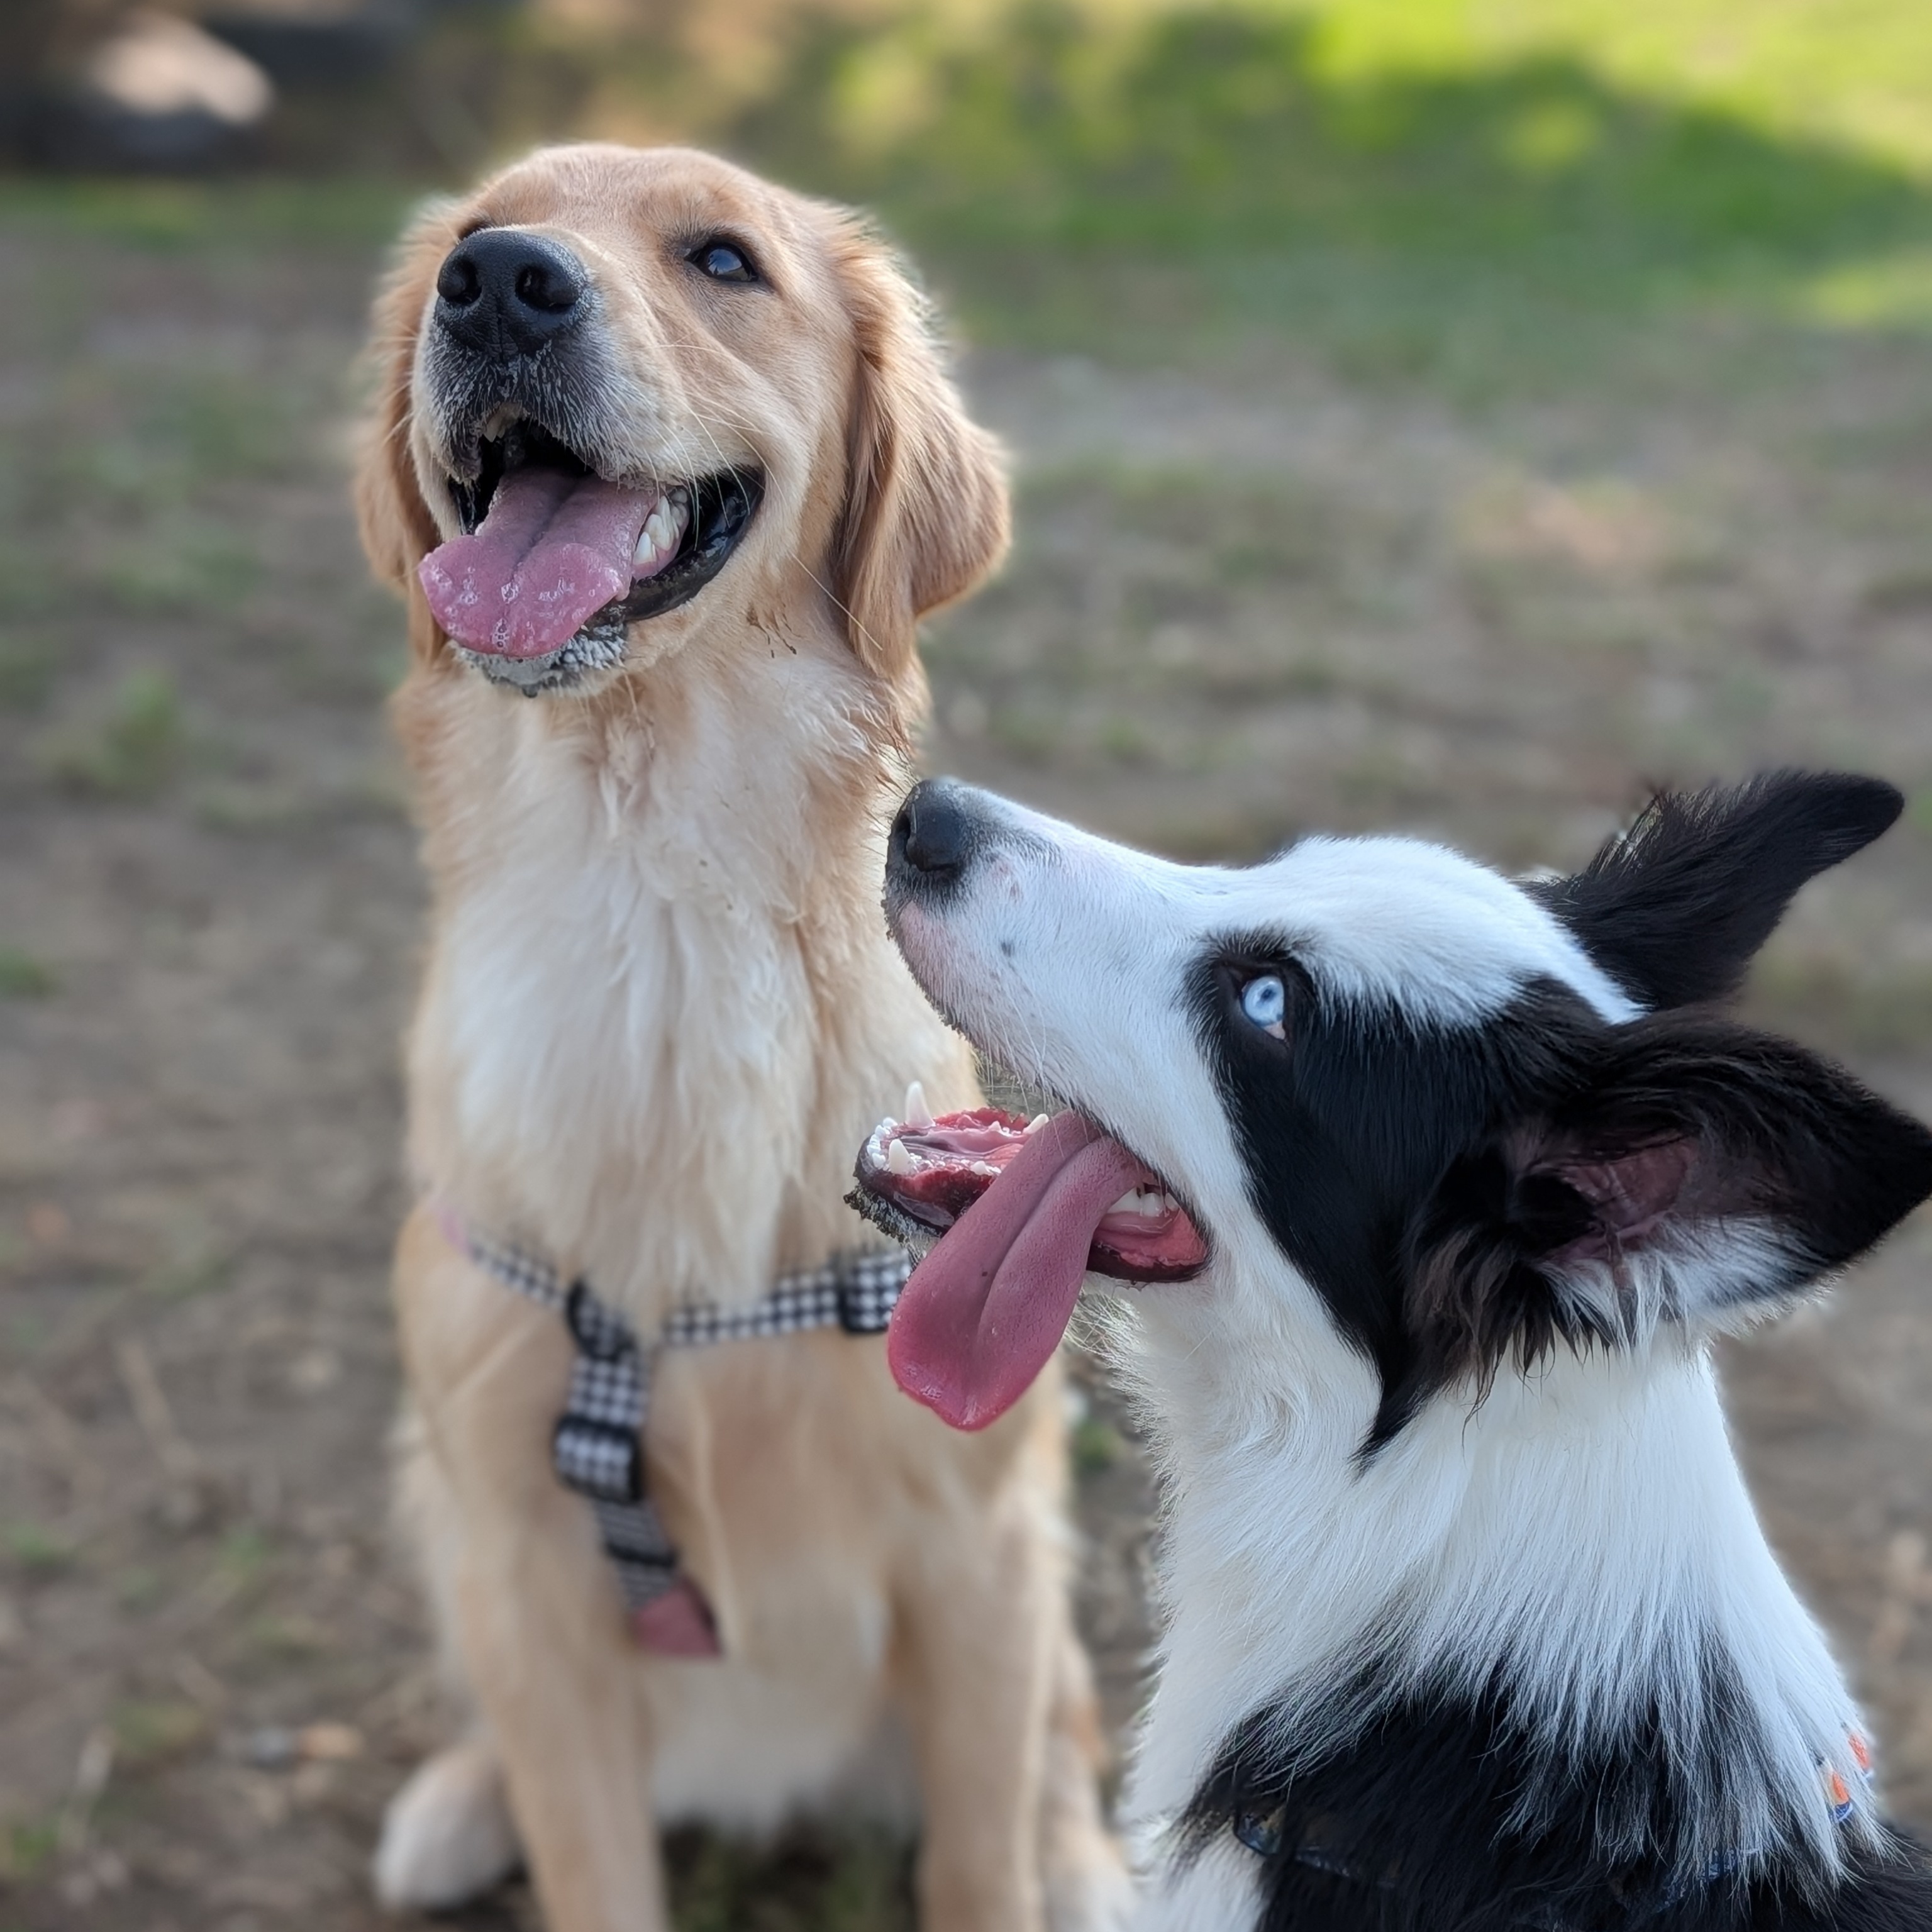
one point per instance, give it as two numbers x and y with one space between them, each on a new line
1675 910
1433 1183
1444 1815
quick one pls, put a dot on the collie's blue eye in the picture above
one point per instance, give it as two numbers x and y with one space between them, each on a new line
1264 1001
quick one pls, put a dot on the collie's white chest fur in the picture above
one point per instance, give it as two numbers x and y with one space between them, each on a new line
1585 1535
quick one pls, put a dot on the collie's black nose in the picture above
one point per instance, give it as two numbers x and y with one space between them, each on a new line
932 838
503 292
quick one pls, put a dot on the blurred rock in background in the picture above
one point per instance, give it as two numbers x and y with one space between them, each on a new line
106 86
156 92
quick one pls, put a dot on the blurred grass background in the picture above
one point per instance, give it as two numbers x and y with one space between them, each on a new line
1410 182
1451 413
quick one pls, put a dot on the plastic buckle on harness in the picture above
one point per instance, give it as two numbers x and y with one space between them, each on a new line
597 1459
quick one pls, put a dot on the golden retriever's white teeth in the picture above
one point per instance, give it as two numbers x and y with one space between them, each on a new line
917 1113
1034 1126
899 1160
1150 1203
663 532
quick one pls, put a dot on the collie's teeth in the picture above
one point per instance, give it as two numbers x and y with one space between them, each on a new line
1149 1203
1034 1126
917 1113
899 1160
985 1168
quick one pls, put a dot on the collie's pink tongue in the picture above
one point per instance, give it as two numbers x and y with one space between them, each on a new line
553 550
988 1305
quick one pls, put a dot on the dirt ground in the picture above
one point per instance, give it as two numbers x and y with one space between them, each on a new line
1245 599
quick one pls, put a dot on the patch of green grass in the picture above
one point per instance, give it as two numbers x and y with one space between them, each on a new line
191 562
179 217
132 751
852 1881
1096 1445
244 1554
1417 187
140 1587
195 1267
149 1732
35 1549
27 1849
290 1635
26 669
24 977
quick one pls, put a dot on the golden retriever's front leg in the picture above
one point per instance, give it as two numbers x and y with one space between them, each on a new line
526 1596
978 1623
571 1741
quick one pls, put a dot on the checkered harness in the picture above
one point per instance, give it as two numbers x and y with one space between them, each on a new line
597 1447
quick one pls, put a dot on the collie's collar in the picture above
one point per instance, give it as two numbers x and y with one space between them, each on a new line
597 1447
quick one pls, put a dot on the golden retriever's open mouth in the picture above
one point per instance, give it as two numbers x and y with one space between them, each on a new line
555 560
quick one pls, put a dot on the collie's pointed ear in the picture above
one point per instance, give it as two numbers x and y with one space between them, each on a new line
925 516
1697 1170
396 529
1675 908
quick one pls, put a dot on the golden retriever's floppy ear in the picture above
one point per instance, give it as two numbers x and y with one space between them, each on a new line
397 530
925 516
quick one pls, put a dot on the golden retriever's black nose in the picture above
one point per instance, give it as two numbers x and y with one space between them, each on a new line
932 838
502 291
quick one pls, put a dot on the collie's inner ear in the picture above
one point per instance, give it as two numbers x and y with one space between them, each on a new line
397 529
925 515
1693 1169
1675 909
1735 1167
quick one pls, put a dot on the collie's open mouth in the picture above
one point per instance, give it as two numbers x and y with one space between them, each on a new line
1022 1210
555 561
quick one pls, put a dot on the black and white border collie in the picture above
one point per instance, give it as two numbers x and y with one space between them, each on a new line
1442 1185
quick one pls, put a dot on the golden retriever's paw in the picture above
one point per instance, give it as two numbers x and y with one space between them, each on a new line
448 1834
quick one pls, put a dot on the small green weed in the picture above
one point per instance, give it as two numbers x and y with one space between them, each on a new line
853 1883
139 1588
27 667
147 1731
130 752
35 1549
27 1848
245 1553
24 977
1097 1446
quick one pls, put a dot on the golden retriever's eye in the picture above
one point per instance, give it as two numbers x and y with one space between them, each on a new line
723 261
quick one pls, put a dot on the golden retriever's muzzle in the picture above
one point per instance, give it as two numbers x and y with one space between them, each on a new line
567 538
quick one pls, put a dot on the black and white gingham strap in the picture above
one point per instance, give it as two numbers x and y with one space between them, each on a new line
598 1446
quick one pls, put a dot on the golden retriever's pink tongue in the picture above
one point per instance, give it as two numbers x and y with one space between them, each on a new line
984 1310
553 550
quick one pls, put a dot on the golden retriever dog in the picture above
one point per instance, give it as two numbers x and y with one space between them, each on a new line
667 467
